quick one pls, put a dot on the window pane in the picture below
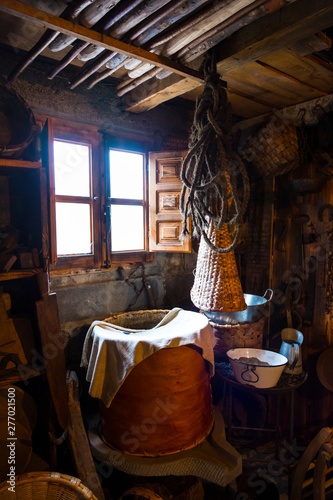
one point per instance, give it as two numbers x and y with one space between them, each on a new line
126 228
71 169
126 175
73 229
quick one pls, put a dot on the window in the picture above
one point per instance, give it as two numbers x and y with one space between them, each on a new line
127 200
99 203
73 198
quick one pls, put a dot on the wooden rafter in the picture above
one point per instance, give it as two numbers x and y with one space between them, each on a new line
290 77
292 112
317 60
29 13
293 22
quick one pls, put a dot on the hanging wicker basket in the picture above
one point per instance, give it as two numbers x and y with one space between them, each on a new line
274 149
46 486
17 123
217 286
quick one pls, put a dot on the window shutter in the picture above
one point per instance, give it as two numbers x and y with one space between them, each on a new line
48 160
165 219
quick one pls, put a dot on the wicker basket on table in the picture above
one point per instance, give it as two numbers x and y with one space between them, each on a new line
274 149
46 486
234 336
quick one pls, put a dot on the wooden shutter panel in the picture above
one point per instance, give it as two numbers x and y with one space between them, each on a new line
165 219
48 163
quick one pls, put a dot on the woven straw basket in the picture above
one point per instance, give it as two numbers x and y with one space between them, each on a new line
193 492
46 486
138 320
217 285
140 492
17 123
274 149
234 336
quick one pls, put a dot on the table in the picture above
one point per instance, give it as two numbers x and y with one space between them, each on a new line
287 384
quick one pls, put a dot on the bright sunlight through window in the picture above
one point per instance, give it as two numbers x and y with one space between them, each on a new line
127 201
72 176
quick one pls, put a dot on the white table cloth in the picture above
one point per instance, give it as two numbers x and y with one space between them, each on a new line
111 352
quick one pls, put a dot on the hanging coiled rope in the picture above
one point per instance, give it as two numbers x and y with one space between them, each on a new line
215 181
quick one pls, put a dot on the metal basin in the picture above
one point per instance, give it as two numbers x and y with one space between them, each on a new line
257 306
257 367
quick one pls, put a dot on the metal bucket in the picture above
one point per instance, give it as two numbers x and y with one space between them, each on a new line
257 306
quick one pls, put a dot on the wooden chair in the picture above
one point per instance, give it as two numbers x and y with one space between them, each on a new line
315 459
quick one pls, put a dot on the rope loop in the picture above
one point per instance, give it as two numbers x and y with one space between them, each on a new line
215 182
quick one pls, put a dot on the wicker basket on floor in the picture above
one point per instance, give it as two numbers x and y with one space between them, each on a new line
234 336
274 149
46 486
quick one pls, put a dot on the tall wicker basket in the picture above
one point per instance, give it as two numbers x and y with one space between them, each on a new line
46 486
217 286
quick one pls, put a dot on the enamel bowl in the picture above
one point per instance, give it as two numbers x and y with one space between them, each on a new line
257 367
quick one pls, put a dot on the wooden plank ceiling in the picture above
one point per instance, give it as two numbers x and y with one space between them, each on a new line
271 53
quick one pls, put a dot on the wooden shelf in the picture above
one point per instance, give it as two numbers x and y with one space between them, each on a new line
14 376
7 162
20 273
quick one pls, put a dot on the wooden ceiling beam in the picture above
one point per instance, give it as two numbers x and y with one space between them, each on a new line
154 92
294 22
315 43
294 113
278 30
290 77
29 13
320 62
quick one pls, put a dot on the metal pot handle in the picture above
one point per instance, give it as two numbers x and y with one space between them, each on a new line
271 294
248 369
292 365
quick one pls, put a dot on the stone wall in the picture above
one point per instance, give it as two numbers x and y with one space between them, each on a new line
97 294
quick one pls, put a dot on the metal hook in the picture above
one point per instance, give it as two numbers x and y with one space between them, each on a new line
322 209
